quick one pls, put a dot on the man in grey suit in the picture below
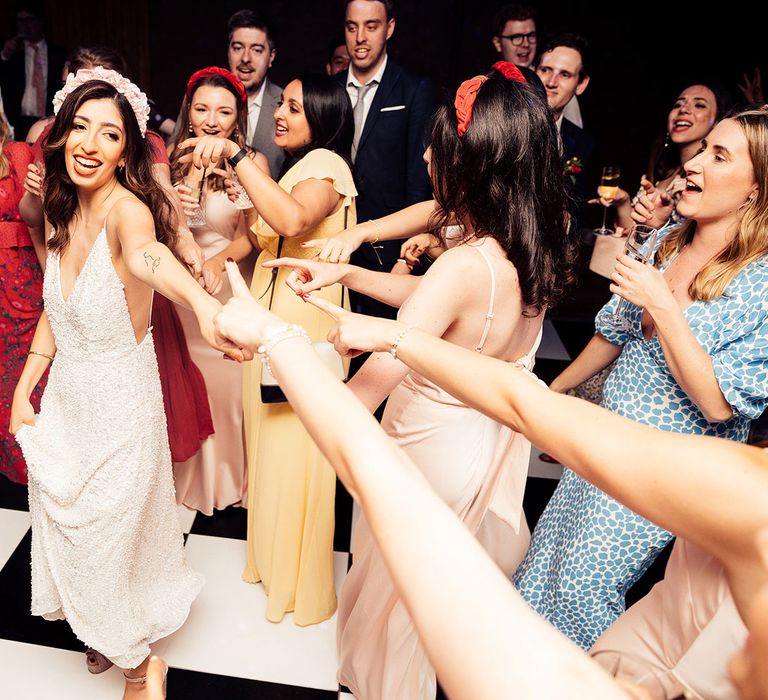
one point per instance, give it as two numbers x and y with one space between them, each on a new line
250 52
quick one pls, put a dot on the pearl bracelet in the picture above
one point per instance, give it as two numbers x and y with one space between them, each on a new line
273 335
399 339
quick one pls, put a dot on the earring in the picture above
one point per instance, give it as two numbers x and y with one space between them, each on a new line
191 131
666 141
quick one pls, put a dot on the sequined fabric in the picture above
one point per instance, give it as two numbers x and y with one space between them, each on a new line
107 549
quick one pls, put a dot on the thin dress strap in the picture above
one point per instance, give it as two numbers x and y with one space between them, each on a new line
489 315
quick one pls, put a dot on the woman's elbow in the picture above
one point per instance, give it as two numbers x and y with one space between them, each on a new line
719 414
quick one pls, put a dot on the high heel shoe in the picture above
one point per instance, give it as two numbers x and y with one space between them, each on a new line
96 662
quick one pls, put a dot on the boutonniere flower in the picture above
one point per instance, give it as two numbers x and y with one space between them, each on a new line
573 166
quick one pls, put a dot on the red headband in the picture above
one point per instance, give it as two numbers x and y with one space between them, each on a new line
467 92
197 76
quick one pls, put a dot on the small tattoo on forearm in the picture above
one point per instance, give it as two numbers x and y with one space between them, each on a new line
151 262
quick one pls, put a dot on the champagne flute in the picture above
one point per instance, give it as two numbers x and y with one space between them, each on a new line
608 189
640 245
196 181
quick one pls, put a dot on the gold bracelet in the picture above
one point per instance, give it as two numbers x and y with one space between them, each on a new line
42 354
376 229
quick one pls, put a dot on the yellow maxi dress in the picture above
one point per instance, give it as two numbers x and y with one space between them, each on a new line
291 487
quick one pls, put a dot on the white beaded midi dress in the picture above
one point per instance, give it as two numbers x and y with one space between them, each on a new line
107 548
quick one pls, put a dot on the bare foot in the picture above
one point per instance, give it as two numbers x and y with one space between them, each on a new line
154 669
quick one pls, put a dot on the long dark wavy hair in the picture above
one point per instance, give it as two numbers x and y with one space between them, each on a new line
505 177
665 160
179 170
329 115
60 200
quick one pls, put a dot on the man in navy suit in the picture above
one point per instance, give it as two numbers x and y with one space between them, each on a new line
392 110
564 70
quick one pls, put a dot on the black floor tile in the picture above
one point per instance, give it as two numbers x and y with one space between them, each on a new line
16 622
13 496
342 534
231 522
193 685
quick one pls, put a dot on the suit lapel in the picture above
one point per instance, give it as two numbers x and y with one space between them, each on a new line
265 126
388 81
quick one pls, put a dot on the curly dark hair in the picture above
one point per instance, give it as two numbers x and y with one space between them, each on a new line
60 200
505 177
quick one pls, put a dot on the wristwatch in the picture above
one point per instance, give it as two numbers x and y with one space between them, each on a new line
235 159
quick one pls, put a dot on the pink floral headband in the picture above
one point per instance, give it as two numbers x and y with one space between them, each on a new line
136 98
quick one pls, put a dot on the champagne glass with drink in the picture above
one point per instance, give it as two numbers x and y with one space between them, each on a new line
609 187
639 246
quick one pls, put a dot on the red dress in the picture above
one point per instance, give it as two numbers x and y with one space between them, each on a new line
187 413
21 303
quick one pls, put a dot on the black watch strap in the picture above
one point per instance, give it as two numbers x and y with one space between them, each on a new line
235 159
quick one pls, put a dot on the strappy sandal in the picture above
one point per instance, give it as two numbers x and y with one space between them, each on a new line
96 662
143 679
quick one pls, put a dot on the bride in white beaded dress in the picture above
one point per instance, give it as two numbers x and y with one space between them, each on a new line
107 549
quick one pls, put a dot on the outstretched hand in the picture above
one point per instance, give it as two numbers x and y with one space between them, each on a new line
653 207
242 321
309 275
354 334
207 150
338 248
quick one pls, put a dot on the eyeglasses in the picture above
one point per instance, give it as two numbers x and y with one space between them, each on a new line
517 39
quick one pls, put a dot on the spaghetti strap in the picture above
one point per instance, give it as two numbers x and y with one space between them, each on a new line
489 315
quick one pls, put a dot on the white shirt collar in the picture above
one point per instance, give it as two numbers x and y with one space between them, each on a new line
377 76
559 123
258 98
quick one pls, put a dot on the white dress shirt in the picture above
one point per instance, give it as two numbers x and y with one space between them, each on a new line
29 100
353 91
254 110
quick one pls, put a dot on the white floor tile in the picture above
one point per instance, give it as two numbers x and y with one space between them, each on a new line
186 517
227 633
13 526
551 347
31 672
541 469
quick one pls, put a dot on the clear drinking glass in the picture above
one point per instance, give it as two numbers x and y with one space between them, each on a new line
640 244
608 188
197 184
243 201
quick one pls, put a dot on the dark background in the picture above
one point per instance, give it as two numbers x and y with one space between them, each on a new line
643 54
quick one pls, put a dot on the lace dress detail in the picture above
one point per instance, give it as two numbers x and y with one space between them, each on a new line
107 548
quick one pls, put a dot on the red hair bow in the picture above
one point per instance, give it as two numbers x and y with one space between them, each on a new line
197 76
510 71
467 92
465 101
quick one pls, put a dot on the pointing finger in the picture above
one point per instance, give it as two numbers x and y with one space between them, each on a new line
335 312
239 287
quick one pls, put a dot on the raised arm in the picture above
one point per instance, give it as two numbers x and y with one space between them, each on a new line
688 362
709 491
505 649
152 263
401 224
291 214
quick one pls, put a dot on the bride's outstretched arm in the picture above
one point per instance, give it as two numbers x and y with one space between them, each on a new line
505 649
154 264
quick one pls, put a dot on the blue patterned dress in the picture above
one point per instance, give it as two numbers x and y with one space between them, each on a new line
587 549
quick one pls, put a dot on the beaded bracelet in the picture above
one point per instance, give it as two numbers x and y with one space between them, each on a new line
399 339
277 334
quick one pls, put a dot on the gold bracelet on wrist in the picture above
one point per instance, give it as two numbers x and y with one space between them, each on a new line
42 354
399 339
376 230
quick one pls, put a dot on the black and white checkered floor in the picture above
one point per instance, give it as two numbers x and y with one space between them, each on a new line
226 649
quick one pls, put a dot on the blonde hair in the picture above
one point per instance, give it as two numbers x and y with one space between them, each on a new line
5 168
751 240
